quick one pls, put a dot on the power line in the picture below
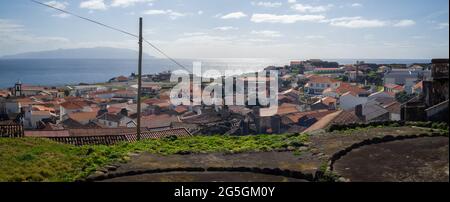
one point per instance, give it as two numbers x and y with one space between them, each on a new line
115 29
84 18
168 57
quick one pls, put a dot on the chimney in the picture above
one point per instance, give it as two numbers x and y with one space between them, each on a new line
256 113
359 111
124 112
275 122
245 125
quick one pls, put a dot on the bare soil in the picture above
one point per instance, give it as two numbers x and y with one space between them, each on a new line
414 160
418 159
204 177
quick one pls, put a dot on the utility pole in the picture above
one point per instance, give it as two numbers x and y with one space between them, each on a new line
139 82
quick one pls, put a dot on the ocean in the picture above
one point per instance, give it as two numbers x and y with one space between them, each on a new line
56 72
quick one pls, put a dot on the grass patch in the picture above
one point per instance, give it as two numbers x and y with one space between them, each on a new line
30 159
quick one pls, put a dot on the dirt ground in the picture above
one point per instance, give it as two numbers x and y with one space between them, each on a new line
204 177
414 160
418 159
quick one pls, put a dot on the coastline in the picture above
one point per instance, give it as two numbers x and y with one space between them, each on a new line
61 72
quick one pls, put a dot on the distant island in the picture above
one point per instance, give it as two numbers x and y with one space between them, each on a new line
80 53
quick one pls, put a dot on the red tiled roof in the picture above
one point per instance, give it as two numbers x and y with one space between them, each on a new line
74 104
326 69
151 85
318 114
346 87
321 79
329 100
114 139
163 104
83 116
32 88
122 78
287 108
346 117
323 122
418 85
152 101
26 101
394 86
181 109
178 132
47 134
43 108
394 107
102 131
157 121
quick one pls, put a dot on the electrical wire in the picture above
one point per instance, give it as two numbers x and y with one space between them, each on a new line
115 29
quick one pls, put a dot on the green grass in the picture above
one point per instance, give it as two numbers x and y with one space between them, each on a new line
29 159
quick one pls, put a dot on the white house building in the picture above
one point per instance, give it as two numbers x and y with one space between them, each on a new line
350 100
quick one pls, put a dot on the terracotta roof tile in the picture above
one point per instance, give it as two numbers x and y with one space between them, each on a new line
83 116
74 104
114 139
346 87
157 121
346 117
418 85
321 79
394 107
47 134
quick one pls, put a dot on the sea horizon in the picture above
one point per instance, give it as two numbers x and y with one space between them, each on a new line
59 72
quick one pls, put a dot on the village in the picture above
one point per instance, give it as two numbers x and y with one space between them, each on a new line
312 95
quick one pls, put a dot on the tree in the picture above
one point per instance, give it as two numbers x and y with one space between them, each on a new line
66 92
403 97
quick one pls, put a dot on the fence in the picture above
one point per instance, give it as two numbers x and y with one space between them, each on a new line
11 130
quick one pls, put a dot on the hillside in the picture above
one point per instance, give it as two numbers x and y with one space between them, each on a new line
81 53
313 157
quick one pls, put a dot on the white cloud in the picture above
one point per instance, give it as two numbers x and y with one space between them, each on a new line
93 5
267 4
194 33
172 14
292 1
418 37
227 28
405 23
356 5
443 25
61 15
14 39
267 33
235 15
200 12
285 19
311 9
314 37
7 26
57 4
356 22
127 3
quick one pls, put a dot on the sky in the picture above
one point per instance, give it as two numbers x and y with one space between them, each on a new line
296 29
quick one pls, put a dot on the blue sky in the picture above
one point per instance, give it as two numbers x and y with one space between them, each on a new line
301 29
